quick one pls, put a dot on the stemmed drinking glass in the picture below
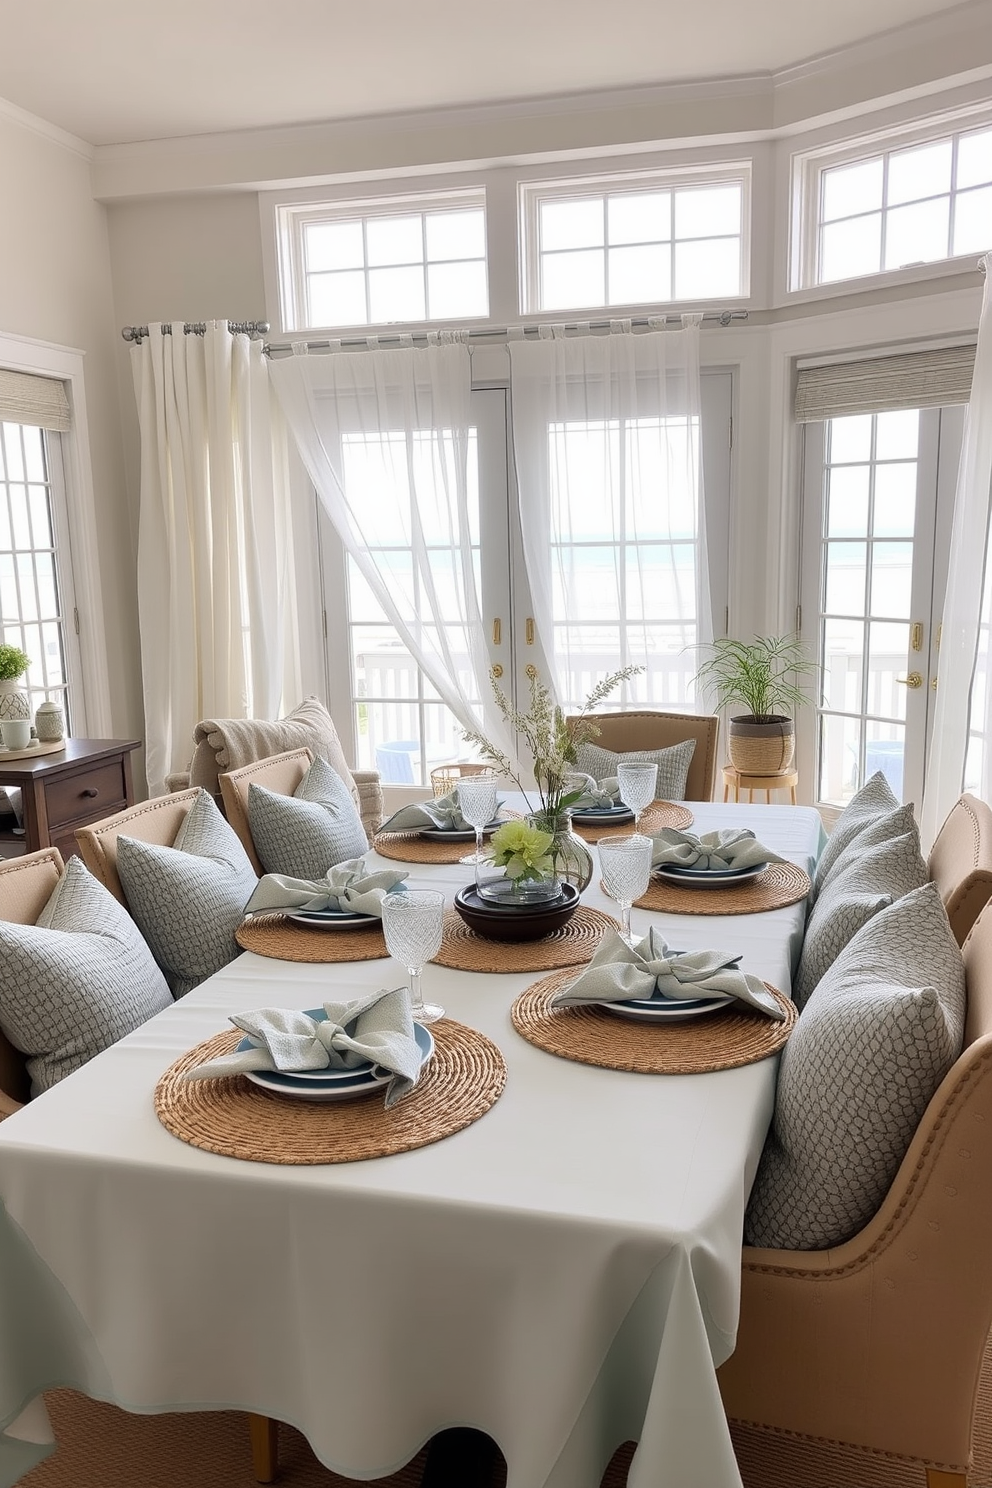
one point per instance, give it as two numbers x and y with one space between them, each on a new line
625 863
637 784
413 923
477 804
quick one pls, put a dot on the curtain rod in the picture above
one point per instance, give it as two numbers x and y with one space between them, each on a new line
251 328
721 317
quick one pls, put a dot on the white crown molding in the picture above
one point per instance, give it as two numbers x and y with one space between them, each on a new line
51 132
971 19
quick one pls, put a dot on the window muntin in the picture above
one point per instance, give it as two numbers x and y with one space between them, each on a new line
414 261
898 208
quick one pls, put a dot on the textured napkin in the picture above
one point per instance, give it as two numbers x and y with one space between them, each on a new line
347 886
443 812
727 849
622 973
378 1027
602 793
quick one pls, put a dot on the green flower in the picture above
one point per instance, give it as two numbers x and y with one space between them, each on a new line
522 850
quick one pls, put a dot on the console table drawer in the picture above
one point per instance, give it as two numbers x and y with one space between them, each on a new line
93 793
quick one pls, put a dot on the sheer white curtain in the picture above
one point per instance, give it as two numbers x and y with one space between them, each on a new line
215 564
962 727
385 437
606 435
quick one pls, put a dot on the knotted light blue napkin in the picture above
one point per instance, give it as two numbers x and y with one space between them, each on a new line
622 973
443 812
376 1028
348 887
731 848
595 793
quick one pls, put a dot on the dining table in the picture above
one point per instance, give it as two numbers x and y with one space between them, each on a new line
563 1273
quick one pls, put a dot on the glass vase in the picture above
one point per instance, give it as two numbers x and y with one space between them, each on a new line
570 855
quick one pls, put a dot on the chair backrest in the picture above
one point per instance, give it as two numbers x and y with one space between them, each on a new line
446 777
155 821
26 886
960 863
282 774
648 730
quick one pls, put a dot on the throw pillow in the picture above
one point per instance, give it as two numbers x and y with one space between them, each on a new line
229 743
871 800
867 1054
310 831
188 899
673 765
876 868
77 981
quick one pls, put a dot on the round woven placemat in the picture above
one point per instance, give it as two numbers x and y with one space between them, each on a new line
661 814
287 940
590 1035
407 847
779 885
573 945
235 1118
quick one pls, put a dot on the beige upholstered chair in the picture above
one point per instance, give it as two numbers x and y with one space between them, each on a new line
446 777
960 863
26 886
648 730
281 774
878 1343
155 821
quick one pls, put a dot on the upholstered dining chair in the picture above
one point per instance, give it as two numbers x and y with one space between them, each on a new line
26 886
157 820
651 730
960 863
878 1343
282 774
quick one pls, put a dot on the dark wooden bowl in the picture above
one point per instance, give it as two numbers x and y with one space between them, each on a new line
526 923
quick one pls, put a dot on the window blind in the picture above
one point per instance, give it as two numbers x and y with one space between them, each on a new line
916 379
38 401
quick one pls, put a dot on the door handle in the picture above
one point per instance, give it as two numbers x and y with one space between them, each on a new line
497 631
914 680
496 671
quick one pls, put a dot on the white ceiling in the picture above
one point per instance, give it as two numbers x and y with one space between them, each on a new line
116 71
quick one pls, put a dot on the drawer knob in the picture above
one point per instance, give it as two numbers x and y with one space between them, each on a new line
89 791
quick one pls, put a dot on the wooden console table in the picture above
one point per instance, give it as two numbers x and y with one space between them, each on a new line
85 781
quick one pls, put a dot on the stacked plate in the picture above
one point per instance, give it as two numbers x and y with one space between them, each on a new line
447 834
602 816
666 1009
707 878
333 919
329 1084
507 921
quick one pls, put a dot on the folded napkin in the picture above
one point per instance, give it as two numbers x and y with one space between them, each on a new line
602 793
378 1027
347 886
728 849
443 812
622 973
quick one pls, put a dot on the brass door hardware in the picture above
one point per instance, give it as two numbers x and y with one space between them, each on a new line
913 681
497 631
916 636
496 671
529 631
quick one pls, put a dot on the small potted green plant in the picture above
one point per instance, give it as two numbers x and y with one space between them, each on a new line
766 676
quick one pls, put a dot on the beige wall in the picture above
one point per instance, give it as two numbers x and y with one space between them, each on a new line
55 287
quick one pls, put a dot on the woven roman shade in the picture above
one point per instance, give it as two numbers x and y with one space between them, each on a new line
917 379
38 401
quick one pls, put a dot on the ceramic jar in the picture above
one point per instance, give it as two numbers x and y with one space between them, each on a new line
49 722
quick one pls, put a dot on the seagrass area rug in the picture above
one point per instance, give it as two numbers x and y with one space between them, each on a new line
101 1446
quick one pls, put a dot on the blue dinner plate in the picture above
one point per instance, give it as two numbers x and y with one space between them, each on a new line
333 1085
611 815
707 878
666 1009
332 919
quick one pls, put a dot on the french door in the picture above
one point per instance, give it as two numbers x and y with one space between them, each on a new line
391 718
878 492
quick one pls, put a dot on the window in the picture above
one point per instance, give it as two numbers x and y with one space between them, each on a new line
887 209
409 259
653 239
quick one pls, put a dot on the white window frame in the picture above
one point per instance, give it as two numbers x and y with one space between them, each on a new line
531 194
806 177
292 218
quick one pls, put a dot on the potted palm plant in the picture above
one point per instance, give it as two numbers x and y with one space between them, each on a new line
765 676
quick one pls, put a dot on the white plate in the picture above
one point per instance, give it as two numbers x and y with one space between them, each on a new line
333 1085
717 878
665 1009
332 919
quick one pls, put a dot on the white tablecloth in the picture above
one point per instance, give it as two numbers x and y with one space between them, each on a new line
563 1274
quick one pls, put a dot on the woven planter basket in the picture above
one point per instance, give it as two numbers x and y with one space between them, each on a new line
761 748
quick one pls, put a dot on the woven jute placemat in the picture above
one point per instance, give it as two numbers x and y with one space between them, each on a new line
573 945
407 847
779 885
235 1118
287 940
661 814
590 1035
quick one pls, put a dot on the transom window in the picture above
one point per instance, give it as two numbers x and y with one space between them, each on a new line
413 260
647 241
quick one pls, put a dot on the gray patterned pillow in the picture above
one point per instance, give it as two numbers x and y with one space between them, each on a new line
310 831
870 1048
878 866
188 899
871 800
77 981
673 765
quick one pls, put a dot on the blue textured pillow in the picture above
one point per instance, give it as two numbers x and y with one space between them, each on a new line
304 834
873 800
